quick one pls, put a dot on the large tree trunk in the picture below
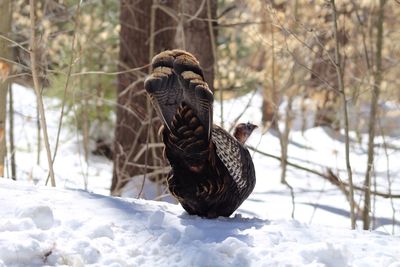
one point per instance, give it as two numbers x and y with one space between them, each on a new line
197 19
134 124
137 124
5 53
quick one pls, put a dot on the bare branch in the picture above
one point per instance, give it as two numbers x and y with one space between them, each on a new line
327 176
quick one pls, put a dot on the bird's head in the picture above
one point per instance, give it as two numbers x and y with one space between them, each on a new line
243 131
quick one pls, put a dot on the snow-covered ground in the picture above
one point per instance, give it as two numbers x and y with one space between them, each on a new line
77 224
46 226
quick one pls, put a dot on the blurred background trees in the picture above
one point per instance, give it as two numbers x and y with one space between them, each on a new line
5 58
94 55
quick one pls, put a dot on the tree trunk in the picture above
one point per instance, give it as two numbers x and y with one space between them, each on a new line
372 116
146 31
197 37
5 52
338 63
139 19
270 104
11 134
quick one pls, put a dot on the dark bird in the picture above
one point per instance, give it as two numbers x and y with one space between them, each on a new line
212 171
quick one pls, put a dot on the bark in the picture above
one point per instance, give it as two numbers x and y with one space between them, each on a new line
197 37
147 28
137 46
5 52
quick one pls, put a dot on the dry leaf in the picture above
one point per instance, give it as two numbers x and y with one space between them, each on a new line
4 70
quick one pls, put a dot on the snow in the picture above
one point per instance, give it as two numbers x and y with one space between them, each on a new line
78 224
52 226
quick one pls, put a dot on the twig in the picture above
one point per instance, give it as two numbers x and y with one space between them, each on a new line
235 121
14 42
108 73
37 90
285 182
226 11
199 10
146 154
143 149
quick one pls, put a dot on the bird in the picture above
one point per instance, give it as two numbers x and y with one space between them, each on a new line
212 171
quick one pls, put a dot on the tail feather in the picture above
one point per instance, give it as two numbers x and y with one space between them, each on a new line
177 78
166 93
187 141
198 97
186 62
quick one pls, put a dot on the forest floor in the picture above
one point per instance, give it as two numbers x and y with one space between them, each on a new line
78 224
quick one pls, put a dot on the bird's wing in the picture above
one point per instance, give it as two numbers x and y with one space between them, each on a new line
229 151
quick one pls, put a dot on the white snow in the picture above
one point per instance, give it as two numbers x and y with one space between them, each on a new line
78 224
52 226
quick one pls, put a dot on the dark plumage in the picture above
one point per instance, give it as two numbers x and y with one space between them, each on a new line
212 172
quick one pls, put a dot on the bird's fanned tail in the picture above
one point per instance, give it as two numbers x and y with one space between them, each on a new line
176 78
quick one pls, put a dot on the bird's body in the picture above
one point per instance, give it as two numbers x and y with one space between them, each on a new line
212 172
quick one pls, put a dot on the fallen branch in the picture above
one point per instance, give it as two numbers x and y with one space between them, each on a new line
330 176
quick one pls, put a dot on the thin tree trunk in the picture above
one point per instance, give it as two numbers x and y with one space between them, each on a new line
5 52
11 133
284 142
284 138
340 71
38 136
388 176
373 114
33 55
